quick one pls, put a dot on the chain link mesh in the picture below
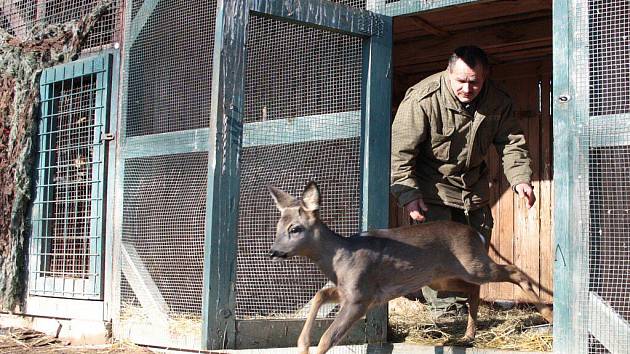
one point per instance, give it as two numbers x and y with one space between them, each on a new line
302 103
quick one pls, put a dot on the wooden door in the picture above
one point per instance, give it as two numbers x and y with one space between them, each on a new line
520 236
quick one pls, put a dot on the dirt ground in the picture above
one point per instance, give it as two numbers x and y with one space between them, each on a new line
517 328
20 340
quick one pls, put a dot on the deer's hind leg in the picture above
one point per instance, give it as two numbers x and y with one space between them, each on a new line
519 278
510 273
472 290
322 297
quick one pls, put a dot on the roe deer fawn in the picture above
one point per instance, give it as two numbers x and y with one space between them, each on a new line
384 264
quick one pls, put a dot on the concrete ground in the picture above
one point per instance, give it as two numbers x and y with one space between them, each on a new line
387 348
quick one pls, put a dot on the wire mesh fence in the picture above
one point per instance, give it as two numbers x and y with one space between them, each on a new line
167 87
609 57
170 67
17 17
602 99
302 104
164 207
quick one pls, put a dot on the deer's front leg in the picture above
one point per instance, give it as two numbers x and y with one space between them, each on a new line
323 296
348 315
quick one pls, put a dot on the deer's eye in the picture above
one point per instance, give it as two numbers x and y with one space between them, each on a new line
296 229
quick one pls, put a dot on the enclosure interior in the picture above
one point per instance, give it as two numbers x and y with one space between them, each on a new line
517 36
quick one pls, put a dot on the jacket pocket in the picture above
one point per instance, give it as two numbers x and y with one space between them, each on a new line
441 146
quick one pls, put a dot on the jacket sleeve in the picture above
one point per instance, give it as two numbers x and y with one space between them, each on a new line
408 132
512 149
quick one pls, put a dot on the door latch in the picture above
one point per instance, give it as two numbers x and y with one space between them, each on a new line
107 136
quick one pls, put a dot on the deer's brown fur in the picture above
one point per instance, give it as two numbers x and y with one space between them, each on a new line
381 265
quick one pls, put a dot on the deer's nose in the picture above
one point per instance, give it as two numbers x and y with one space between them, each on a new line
277 254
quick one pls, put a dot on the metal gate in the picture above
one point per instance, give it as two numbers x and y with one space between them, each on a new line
592 139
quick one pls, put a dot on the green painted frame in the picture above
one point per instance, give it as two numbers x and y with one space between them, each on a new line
99 66
563 112
581 311
221 330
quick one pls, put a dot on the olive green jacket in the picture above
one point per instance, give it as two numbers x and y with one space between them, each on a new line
439 149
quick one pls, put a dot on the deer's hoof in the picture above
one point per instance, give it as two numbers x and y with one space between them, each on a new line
466 341
547 314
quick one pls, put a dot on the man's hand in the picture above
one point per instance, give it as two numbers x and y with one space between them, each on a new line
415 209
524 190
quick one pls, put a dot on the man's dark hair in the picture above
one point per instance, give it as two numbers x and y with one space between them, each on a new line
471 55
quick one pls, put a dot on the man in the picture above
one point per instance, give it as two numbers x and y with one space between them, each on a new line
440 137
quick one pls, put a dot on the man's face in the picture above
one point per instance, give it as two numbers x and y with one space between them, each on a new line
466 82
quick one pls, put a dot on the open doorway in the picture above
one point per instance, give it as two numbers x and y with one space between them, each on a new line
517 36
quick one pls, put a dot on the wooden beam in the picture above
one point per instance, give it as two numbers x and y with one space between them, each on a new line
615 334
427 26
303 129
406 29
224 151
609 130
141 282
375 154
326 15
270 333
141 19
493 39
564 323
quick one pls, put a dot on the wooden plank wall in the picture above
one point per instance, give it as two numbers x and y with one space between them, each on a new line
520 236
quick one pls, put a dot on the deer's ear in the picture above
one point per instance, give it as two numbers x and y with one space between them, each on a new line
282 198
311 197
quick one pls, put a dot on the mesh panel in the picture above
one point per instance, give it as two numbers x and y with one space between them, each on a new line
609 234
359 4
170 69
71 203
168 89
135 6
605 159
17 17
609 56
596 347
302 100
164 210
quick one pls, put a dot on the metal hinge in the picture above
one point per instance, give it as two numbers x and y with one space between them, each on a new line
107 136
